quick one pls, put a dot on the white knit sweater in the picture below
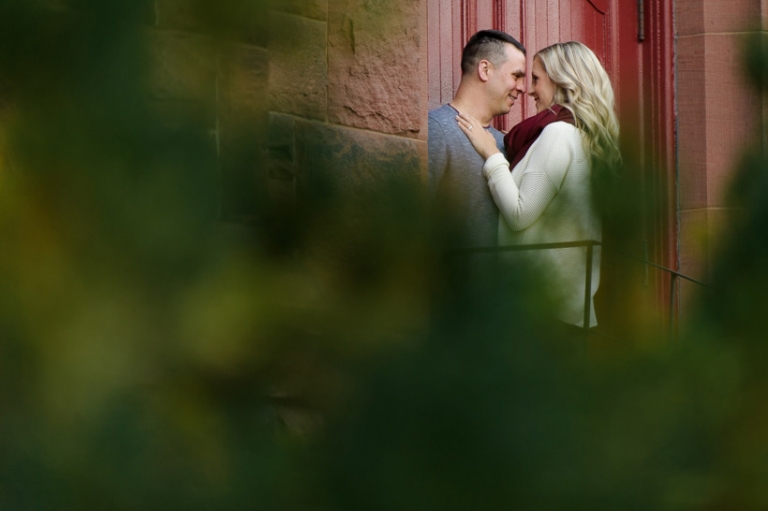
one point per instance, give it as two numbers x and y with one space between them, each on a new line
547 198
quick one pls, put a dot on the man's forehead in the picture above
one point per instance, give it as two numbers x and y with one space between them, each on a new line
510 49
515 59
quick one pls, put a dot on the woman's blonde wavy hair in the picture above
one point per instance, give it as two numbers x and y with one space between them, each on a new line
583 87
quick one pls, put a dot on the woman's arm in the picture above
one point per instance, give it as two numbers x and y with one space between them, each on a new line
548 162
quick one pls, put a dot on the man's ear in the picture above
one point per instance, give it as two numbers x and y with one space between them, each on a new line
484 70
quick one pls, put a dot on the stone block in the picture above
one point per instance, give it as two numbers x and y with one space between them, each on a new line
180 116
375 70
690 297
732 16
716 116
689 16
277 215
242 122
182 66
135 12
733 116
703 16
692 127
183 144
282 196
243 85
694 244
354 173
764 16
298 73
177 14
358 199
281 147
315 9
238 20
353 161
703 239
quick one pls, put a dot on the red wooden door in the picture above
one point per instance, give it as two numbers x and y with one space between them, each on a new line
536 23
641 70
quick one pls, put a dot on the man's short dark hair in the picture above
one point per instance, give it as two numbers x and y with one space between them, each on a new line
486 45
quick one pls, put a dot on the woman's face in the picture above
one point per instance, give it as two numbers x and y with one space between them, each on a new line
542 88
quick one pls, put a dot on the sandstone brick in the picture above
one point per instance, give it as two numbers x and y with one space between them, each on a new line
716 116
134 12
183 135
255 29
689 16
237 20
692 126
282 196
315 9
704 233
280 205
764 15
280 143
358 200
298 76
374 65
242 119
732 16
703 16
177 14
694 243
733 115
243 84
178 116
357 167
277 217
182 66
694 256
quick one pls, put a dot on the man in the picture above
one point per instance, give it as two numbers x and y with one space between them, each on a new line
492 77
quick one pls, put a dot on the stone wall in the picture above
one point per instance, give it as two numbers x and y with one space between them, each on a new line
213 78
347 94
346 75
719 115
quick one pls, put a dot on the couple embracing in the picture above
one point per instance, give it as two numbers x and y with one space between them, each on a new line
534 185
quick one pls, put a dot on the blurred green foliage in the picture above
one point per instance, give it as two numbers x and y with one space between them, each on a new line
153 355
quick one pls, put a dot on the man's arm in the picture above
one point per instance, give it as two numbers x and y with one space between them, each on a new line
438 155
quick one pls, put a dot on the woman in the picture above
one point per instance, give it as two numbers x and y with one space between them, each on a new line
556 156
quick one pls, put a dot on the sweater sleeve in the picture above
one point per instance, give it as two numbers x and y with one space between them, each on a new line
541 180
437 155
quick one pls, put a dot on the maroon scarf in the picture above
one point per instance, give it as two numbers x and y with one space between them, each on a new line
522 136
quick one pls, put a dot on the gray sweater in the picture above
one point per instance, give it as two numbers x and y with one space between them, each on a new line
456 183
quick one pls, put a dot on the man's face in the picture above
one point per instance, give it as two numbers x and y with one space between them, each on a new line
506 81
